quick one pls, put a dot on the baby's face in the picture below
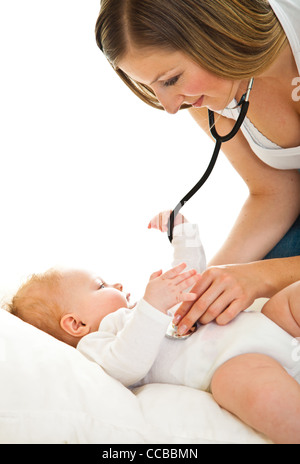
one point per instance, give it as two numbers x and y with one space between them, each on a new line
93 298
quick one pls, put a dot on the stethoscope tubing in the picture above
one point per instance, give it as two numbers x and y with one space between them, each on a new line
194 190
219 139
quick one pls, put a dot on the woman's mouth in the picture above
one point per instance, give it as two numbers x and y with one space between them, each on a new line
199 102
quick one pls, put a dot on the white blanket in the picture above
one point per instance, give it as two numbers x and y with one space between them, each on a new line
50 393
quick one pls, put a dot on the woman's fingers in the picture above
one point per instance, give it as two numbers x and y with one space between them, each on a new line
199 288
214 301
221 296
231 312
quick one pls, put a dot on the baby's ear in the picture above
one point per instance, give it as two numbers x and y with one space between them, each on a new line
72 324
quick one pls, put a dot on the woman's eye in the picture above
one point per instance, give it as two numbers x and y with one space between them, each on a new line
171 82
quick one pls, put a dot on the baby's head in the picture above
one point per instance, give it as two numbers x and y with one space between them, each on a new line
67 304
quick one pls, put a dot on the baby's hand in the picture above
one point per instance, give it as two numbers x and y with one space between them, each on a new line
166 290
160 221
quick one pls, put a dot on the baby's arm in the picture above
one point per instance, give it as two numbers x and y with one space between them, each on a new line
186 241
128 341
166 290
284 309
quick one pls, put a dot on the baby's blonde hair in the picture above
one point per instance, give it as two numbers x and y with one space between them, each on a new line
40 302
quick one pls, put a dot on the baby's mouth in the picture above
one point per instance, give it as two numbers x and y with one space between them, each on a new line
130 306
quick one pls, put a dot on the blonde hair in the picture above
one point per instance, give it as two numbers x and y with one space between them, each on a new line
40 302
236 39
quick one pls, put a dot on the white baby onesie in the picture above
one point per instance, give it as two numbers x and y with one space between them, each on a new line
131 345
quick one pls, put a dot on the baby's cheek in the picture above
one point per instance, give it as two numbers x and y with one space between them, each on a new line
119 301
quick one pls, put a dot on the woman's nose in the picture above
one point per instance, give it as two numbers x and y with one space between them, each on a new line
171 103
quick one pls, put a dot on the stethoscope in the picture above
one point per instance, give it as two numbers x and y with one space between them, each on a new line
244 104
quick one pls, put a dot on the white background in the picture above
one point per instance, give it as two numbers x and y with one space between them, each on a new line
84 163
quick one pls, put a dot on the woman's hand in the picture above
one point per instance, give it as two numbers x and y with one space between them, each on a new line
223 292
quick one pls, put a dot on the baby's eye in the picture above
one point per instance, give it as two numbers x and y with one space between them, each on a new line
171 82
101 286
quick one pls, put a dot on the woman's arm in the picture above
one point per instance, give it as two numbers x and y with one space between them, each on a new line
270 210
224 291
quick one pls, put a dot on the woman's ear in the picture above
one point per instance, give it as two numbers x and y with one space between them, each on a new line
72 324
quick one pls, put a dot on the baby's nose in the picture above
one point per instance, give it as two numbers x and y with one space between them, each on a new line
118 287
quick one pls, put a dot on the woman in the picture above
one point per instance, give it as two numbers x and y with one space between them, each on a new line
197 54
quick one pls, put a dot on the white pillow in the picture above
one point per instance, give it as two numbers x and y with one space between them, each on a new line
50 393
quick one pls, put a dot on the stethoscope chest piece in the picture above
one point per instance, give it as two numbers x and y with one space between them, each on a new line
172 332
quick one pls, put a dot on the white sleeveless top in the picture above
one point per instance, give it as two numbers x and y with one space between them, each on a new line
288 13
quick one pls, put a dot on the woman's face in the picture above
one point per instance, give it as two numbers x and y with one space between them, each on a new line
176 79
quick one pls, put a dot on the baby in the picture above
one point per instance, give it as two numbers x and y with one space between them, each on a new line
247 365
